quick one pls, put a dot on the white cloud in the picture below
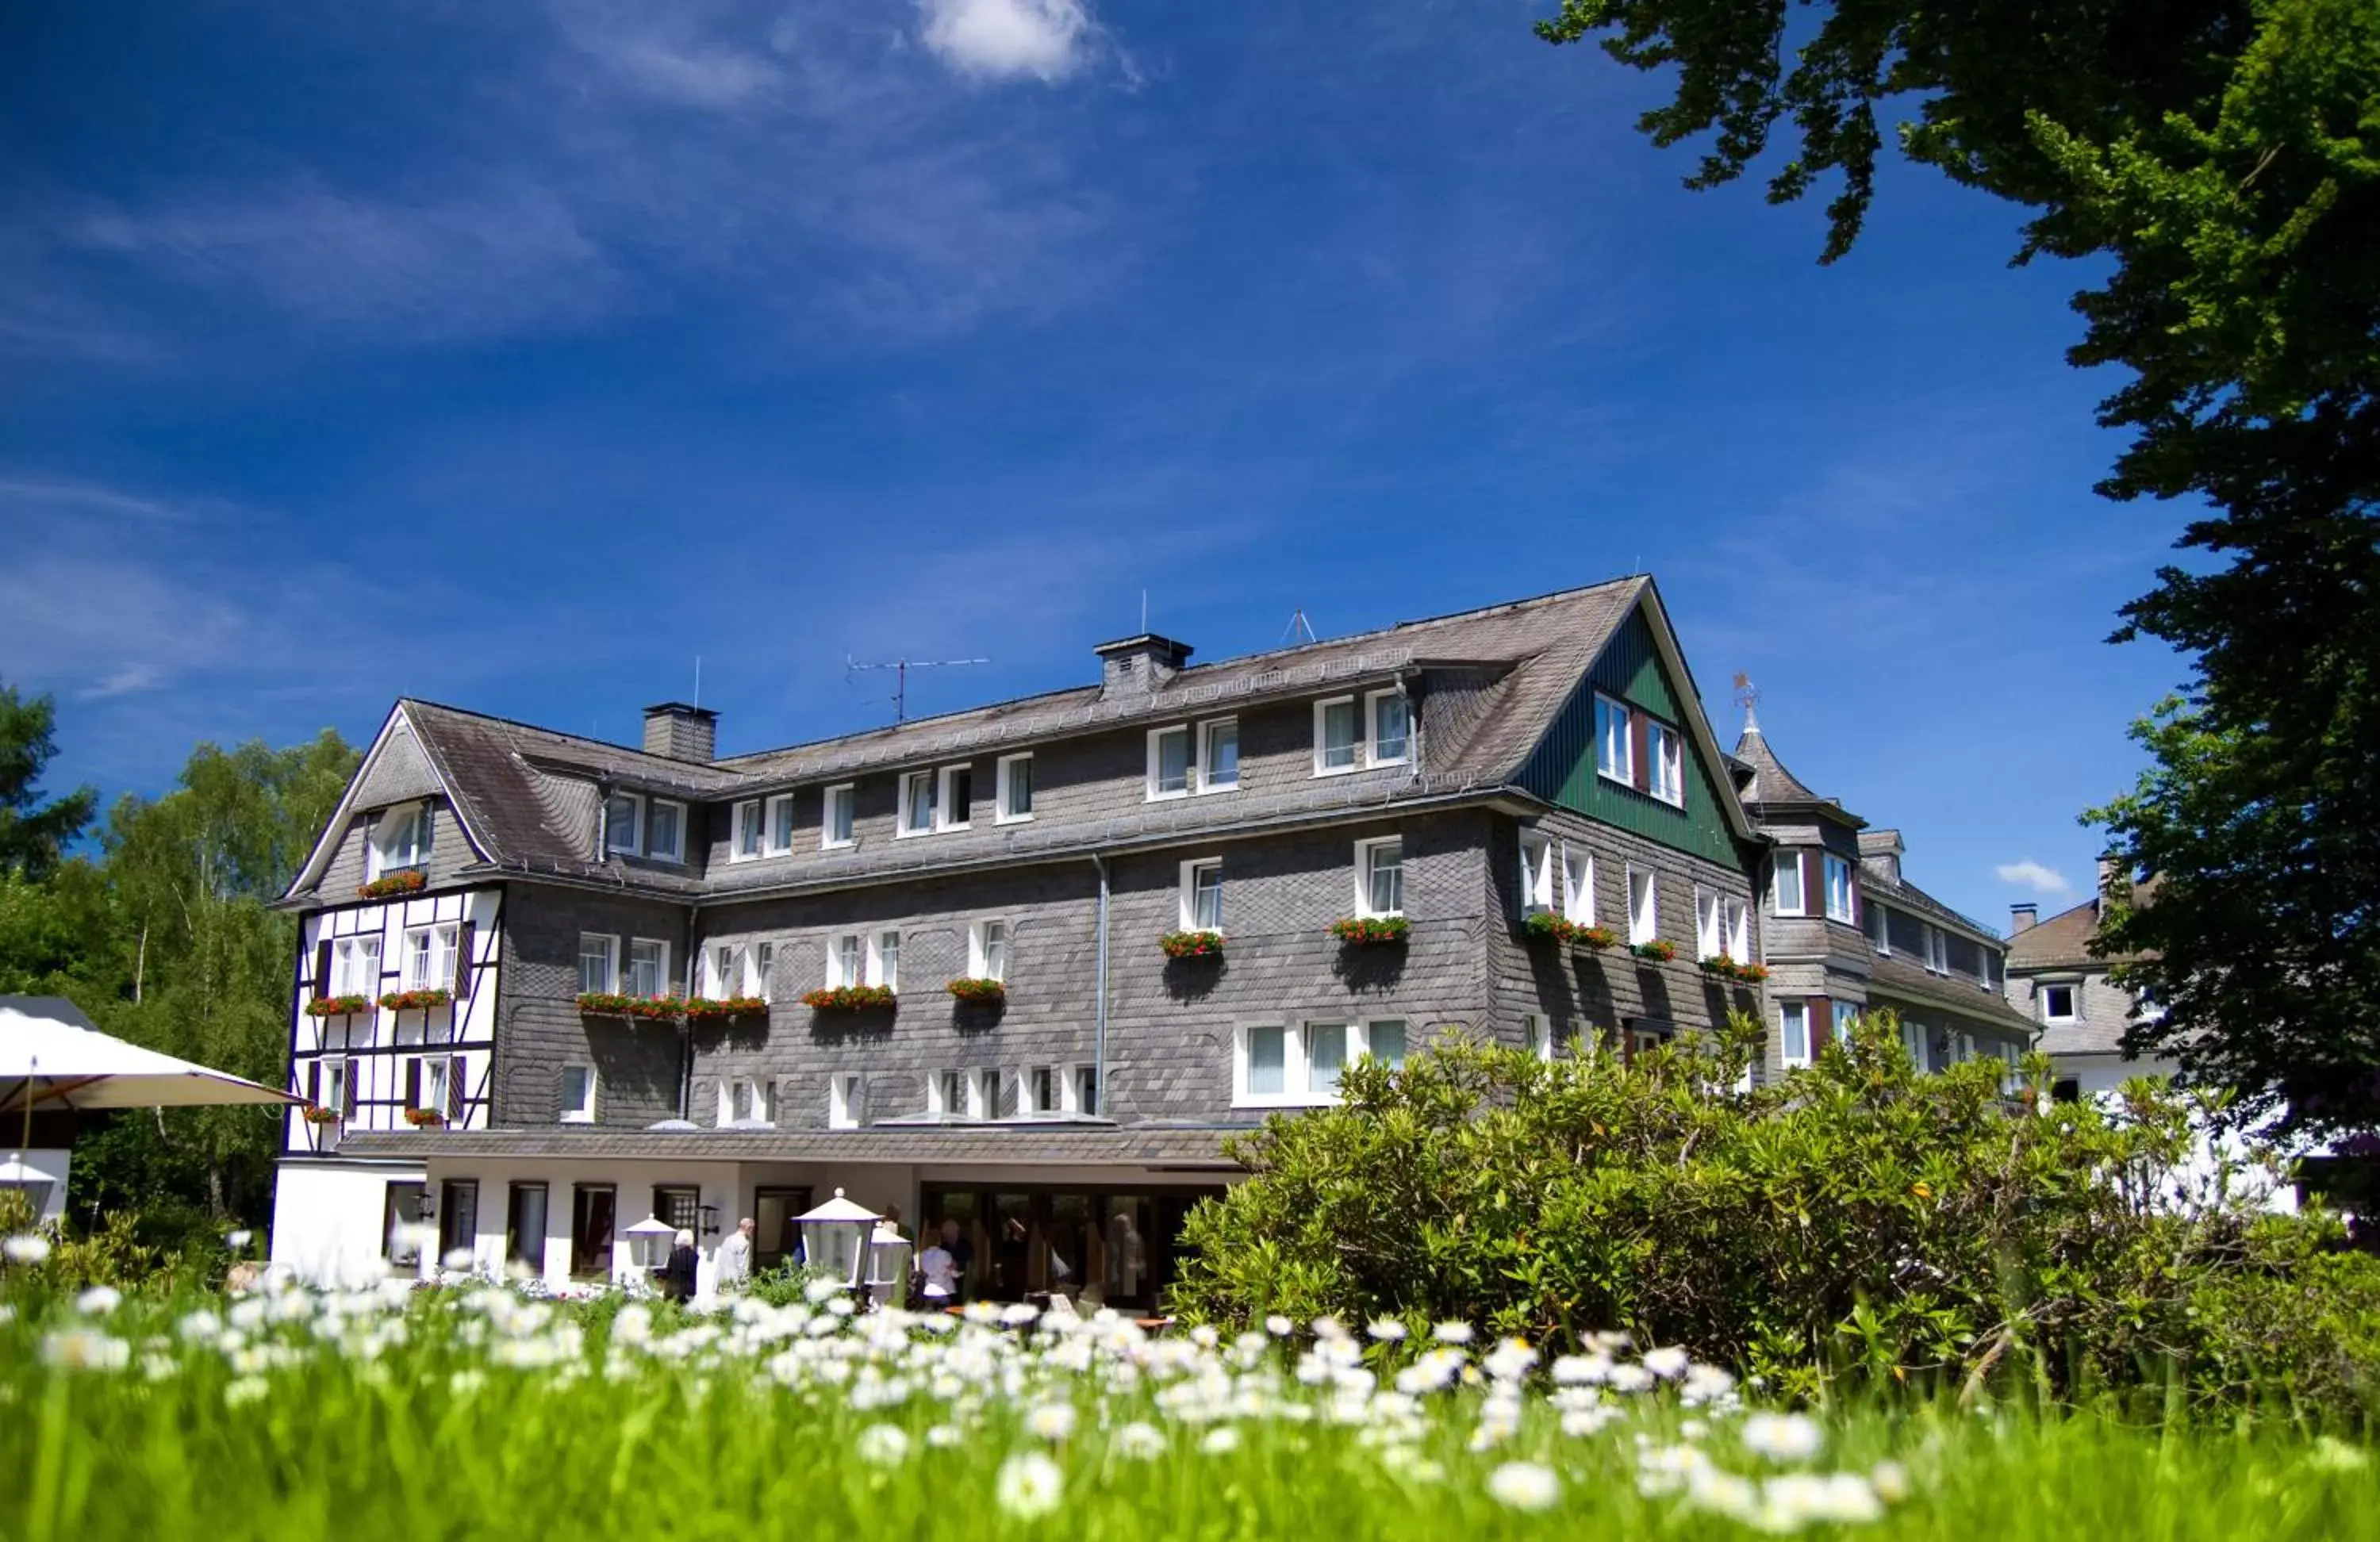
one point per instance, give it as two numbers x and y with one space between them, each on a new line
2033 876
1008 39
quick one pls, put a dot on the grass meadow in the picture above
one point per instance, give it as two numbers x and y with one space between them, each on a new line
480 1412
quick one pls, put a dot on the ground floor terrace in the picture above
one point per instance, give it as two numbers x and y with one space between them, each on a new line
1092 1213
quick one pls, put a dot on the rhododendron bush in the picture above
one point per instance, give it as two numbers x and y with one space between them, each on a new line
1854 1220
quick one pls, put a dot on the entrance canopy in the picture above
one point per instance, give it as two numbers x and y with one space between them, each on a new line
53 1057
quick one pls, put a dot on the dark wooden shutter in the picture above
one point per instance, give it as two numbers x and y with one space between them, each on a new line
347 1090
321 968
465 935
314 1083
413 1083
1822 1024
1814 883
1639 774
455 1064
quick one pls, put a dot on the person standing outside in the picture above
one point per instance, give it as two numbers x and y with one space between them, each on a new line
679 1274
962 1252
735 1257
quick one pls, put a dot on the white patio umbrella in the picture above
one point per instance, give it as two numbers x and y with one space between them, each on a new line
52 1057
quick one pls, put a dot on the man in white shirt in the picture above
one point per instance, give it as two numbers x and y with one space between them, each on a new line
735 1257
940 1274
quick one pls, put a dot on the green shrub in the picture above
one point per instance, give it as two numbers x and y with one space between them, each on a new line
1859 1220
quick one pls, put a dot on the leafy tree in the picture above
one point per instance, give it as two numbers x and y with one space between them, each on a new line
2222 159
32 834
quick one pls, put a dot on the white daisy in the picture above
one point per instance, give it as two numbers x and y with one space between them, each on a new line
1140 1441
1221 1439
1030 1486
882 1445
27 1247
1668 1363
1451 1332
1280 1327
1052 1421
1389 1330
1783 1436
98 1301
1525 1486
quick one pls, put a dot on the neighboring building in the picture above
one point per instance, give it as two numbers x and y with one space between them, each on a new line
1457 773
1846 932
2054 977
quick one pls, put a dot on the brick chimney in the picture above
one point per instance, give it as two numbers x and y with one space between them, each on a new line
1881 851
2107 867
1139 664
681 732
2022 916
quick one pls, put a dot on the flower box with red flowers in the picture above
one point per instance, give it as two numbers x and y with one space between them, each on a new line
338 1006
1657 951
317 1114
1191 944
1544 925
405 880
1724 967
1372 931
1597 938
713 1009
655 1009
417 1000
849 997
424 1119
973 989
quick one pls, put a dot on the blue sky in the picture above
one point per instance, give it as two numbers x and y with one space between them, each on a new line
518 356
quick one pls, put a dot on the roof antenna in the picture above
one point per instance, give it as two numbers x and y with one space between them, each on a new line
698 679
1143 612
1299 628
900 668
1747 696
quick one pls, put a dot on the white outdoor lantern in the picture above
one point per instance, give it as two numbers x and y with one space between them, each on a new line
30 1182
650 1241
835 1238
888 1266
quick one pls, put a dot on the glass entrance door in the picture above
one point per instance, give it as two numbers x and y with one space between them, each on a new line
773 1238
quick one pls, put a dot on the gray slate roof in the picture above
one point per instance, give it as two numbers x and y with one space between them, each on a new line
513 785
1895 978
1196 1146
1772 785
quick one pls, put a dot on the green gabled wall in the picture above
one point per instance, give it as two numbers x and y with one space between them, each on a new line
1563 769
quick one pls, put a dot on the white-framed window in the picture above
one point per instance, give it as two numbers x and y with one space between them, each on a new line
428 959
1082 1090
1938 950
1012 784
599 963
1840 905
578 1095
1537 891
1326 1055
1879 921
747 1101
1262 1066
1665 753
434 1082
983 1094
1040 1092
1334 736
1537 1033
624 824
1578 887
845 961
845 1098
946 1093
988 951
1392 718
1644 905
1913 1037
355 966
1169 762
1846 1014
1380 876
764 969
1218 755
834 828
1736 917
400 839
2058 1001
749 832
1385 1040
1615 747
338 1085
731 970
780 837
916 803
1786 888
665 831
1711 924
955 807
1987 965
884 960
1202 895
1794 1032
649 971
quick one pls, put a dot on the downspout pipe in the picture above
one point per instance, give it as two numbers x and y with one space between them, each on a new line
685 1024
1099 988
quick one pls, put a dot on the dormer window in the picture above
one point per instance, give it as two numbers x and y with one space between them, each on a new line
1169 762
665 831
1391 728
624 824
401 839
